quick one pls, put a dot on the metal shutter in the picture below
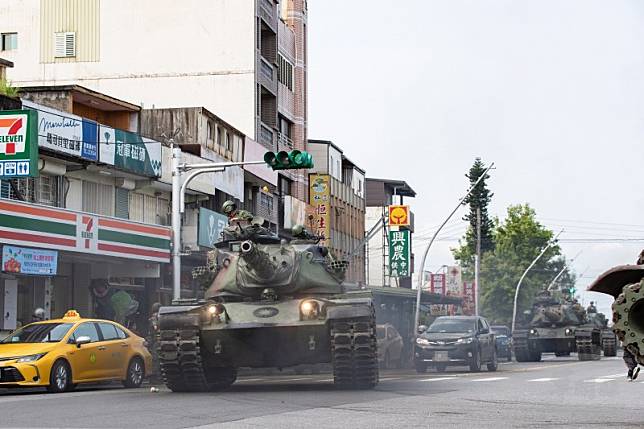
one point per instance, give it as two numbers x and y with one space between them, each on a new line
122 203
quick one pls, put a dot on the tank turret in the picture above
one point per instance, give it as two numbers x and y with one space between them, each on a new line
258 260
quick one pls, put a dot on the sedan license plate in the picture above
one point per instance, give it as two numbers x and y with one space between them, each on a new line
441 356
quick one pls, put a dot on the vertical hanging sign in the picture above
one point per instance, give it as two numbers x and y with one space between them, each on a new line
399 260
18 143
320 197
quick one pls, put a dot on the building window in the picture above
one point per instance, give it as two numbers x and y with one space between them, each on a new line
9 41
65 45
210 137
46 188
285 72
229 141
266 202
98 198
220 136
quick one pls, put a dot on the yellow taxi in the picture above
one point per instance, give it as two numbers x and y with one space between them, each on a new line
59 354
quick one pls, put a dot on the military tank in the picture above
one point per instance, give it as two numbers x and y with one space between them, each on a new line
626 284
273 303
559 326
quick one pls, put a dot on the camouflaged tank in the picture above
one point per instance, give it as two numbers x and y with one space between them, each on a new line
273 303
556 326
626 284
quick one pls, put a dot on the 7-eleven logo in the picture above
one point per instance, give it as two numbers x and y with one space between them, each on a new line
13 134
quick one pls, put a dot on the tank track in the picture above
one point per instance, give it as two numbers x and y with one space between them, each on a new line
587 347
609 344
522 350
354 353
181 364
624 326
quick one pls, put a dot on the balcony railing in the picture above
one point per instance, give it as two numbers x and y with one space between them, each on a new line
265 135
266 69
284 140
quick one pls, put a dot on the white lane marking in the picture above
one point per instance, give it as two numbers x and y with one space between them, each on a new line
437 379
326 380
544 379
251 379
599 380
490 379
621 374
390 378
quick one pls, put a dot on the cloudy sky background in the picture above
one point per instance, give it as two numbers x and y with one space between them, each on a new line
551 91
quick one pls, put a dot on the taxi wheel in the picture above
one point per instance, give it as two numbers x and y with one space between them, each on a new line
135 373
60 379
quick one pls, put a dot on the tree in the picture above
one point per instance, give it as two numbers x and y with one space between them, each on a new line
479 199
518 240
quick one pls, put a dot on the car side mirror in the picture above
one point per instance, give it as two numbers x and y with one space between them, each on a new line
82 340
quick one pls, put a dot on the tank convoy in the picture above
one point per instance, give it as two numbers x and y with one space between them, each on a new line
626 284
558 325
273 303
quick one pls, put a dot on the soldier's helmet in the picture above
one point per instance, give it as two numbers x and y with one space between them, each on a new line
229 207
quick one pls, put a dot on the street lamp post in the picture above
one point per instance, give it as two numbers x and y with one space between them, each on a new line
424 260
516 292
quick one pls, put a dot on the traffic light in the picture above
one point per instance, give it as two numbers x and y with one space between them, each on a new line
284 160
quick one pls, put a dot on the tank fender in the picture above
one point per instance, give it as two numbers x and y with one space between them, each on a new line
177 317
612 281
349 311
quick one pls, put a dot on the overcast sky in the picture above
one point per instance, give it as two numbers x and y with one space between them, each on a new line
551 91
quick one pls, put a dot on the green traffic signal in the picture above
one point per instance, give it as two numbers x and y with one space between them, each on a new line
284 160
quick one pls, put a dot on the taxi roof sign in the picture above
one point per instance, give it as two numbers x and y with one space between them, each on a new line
72 314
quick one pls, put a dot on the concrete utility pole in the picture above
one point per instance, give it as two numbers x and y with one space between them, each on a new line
182 175
516 292
419 286
477 261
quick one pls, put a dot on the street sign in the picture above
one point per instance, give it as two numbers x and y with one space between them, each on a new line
211 225
468 298
18 143
399 255
399 216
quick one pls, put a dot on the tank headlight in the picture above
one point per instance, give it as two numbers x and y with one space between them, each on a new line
214 312
569 331
309 310
534 332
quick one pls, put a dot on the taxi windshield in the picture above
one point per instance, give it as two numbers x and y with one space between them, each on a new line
39 333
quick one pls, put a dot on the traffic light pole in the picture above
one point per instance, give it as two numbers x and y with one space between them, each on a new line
182 175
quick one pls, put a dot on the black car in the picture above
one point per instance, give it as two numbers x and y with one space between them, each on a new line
456 340
503 337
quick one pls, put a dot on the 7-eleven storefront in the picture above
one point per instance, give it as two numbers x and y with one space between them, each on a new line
70 249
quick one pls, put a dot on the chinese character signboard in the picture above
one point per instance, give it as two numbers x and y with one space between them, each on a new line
454 282
129 151
66 133
211 225
468 298
399 260
399 216
437 284
18 148
320 197
22 260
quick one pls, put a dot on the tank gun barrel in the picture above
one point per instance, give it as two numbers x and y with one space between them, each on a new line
259 261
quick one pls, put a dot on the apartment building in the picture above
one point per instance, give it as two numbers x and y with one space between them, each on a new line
249 67
337 188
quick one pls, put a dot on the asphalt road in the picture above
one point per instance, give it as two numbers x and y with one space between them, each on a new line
558 392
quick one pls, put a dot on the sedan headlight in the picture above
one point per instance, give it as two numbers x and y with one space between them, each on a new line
30 358
467 340
422 341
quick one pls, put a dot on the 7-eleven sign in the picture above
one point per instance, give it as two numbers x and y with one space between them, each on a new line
18 143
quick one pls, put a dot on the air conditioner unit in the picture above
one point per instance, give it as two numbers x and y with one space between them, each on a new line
65 44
